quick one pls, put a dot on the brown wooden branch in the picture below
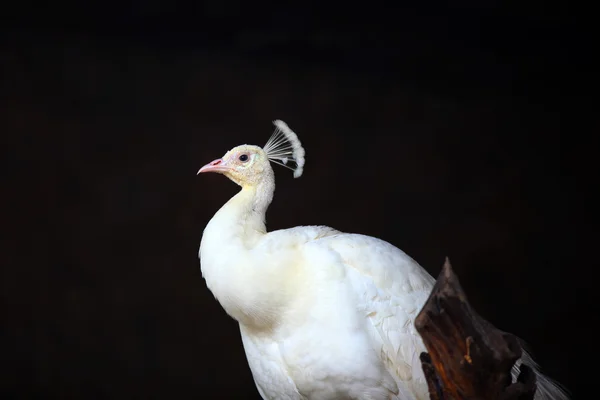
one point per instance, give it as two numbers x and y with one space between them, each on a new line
467 357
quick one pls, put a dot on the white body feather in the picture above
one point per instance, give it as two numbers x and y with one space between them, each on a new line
323 314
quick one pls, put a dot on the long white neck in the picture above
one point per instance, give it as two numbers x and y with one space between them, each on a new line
242 218
240 278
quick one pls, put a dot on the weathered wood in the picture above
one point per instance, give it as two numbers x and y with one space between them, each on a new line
467 357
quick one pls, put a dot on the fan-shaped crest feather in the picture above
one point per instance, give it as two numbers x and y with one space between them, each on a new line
284 146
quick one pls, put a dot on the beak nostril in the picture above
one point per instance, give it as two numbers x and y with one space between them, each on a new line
216 162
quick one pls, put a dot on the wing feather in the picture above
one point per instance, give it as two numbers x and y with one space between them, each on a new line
391 288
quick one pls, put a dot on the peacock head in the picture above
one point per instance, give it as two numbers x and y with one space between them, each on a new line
246 165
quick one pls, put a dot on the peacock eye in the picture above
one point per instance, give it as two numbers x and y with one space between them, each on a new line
243 157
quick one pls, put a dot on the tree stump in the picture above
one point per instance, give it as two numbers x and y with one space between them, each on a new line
467 357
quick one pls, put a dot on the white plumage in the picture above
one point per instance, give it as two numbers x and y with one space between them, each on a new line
323 314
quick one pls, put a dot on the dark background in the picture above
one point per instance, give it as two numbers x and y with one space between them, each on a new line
443 130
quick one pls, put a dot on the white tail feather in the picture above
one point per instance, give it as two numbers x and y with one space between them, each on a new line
284 146
547 389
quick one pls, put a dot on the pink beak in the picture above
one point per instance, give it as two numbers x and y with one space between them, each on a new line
214 166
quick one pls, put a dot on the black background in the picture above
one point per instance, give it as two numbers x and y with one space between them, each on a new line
442 130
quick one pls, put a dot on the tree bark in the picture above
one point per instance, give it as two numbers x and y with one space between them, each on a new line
467 357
